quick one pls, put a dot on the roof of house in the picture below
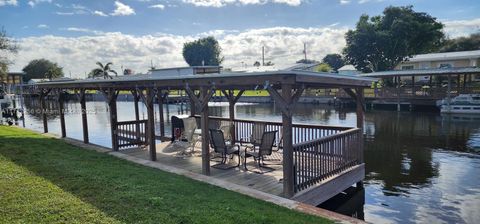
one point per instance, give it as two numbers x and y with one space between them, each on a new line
347 68
187 67
445 56
423 72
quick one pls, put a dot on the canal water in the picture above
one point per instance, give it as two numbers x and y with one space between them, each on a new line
420 167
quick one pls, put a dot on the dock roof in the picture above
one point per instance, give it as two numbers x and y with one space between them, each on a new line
221 81
424 72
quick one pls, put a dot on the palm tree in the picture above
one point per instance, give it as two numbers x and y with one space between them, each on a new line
103 71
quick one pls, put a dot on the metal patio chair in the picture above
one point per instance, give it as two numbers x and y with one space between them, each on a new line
219 146
258 152
258 129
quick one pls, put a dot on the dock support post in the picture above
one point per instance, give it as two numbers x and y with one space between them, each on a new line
61 99
232 100
43 95
360 107
161 98
192 106
288 170
286 102
83 106
449 93
205 138
111 97
136 99
151 124
360 124
201 104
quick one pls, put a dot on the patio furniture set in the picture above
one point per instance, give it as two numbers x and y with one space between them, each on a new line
259 145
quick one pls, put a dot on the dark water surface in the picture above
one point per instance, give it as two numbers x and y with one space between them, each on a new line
420 167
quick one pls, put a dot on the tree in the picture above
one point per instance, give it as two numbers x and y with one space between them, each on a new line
204 51
334 60
102 71
256 64
41 69
7 46
381 42
323 67
469 43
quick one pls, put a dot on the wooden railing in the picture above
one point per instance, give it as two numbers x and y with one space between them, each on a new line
300 132
131 133
318 159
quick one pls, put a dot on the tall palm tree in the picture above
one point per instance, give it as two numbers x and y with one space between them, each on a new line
103 71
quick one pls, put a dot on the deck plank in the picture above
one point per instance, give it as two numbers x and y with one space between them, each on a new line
268 182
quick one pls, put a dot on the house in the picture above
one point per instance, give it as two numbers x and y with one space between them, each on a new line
453 60
459 59
348 70
195 70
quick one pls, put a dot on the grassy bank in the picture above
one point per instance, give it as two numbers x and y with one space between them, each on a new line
45 180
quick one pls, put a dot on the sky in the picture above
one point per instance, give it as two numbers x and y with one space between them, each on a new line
138 33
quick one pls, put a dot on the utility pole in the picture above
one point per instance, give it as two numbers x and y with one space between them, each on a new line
263 55
305 50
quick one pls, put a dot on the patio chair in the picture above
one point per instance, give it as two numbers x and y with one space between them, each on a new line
260 151
219 146
258 129
190 125
177 123
227 128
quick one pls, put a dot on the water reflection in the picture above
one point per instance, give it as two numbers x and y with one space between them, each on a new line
420 167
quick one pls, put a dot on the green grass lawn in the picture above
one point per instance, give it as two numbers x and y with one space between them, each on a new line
45 180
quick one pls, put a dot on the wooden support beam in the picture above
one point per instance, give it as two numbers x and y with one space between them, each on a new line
288 169
232 100
83 106
286 107
111 98
136 99
43 94
61 101
360 107
161 96
350 93
202 101
205 95
286 102
150 96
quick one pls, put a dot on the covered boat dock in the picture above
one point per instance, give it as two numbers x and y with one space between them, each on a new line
315 162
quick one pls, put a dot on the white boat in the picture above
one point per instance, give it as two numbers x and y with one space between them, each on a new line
462 104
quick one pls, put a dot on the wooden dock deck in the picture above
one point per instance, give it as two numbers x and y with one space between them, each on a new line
265 180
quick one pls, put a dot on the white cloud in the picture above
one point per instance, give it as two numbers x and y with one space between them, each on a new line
344 2
8 2
365 1
83 30
283 46
32 3
122 10
456 28
99 13
65 13
222 3
43 26
157 6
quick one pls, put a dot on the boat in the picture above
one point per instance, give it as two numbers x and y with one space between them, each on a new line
461 104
